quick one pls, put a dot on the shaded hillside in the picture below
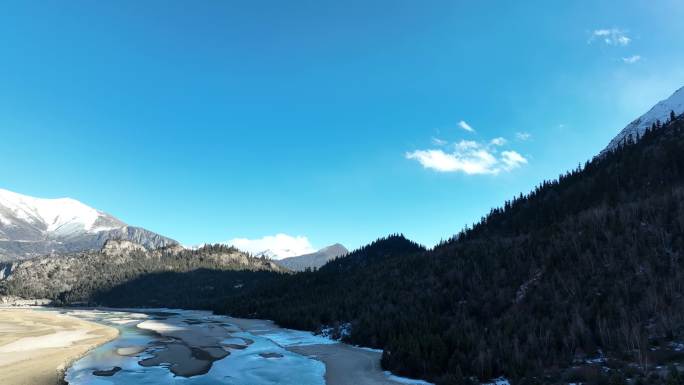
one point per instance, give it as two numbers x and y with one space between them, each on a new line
584 271
310 299
200 289
585 265
80 277
210 289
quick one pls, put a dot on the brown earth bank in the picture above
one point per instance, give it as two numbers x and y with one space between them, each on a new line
36 347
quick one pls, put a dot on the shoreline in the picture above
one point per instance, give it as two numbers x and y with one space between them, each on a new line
56 341
344 364
37 347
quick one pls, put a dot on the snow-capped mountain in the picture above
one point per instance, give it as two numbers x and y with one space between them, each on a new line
660 111
314 260
276 246
35 226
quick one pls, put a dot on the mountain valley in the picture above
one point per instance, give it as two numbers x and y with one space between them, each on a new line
578 280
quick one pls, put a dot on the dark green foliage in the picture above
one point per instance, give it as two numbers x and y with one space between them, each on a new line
590 261
101 276
674 377
196 289
319 298
585 265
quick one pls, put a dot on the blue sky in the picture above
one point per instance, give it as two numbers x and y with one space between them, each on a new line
334 121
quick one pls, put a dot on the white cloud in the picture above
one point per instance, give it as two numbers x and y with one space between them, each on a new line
498 141
465 126
439 142
477 162
277 246
512 160
612 36
469 157
631 59
523 136
465 145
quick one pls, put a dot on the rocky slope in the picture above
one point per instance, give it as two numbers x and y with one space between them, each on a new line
32 227
76 277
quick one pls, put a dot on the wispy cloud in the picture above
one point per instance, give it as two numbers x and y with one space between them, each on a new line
631 59
465 126
470 157
276 246
498 141
512 160
439 142
523 136
611 36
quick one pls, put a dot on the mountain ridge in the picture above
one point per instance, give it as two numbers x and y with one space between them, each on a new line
314 260
660 112
31 227
79 277
584 269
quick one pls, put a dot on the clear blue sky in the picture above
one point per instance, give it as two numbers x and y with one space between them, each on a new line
210 120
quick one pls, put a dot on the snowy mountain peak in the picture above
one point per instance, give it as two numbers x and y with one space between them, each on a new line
32 226
60 215
661 111
315 259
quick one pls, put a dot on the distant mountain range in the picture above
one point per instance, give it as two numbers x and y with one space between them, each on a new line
314 260
31 227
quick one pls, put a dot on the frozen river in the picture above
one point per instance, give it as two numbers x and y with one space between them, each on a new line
161 346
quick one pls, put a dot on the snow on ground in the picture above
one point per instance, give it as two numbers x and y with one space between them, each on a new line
677 346
63 215
404 380
369 349
661 111
289 337
498 381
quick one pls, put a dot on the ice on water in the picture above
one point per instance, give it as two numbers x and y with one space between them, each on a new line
242 367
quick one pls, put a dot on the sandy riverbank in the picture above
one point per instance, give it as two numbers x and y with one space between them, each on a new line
344 364
36 346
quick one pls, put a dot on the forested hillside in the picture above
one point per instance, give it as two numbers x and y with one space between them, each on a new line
88 276
578 281
586 266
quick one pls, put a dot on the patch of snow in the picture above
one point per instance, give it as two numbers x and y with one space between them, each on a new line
660 111
369 349
498 381
599 360
5 221
404 380
677 346
289 337
342 332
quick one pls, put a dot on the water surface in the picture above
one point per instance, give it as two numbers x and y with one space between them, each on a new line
161 346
